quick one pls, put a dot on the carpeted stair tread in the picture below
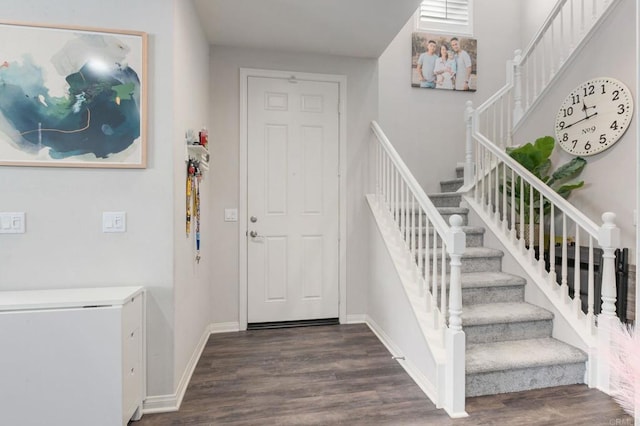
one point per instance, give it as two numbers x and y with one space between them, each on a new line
490 279
466 228
520 354
445 195
502 313
477 252
446 199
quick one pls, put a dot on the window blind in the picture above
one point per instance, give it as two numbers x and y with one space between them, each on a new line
445 11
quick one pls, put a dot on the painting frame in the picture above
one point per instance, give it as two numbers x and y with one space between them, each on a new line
437 62
73 96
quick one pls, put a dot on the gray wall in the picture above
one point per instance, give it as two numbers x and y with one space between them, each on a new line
427 126
192 289
64 246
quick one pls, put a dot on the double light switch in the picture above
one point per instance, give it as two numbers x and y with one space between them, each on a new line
12 223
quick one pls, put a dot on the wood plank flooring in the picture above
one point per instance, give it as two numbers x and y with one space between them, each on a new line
343 375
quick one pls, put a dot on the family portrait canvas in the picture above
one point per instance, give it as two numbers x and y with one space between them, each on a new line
72 97
444 62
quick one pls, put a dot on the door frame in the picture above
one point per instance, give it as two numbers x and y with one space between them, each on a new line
341 80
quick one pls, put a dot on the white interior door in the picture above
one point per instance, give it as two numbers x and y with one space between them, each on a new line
292 199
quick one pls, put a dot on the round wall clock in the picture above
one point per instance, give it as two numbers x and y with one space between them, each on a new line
594 116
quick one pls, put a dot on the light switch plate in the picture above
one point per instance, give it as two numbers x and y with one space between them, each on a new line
230 215
114 222
12 223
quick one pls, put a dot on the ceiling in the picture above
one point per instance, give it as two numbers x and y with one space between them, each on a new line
359 28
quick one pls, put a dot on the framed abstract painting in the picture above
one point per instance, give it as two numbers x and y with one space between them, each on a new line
72 97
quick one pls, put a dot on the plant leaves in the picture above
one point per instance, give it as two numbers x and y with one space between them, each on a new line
568 170
565 190
533 156
545 146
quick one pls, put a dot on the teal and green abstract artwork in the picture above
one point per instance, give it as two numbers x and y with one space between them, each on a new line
71 97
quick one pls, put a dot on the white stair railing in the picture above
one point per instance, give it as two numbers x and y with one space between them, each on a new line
568 27
539 220
542 227
427 241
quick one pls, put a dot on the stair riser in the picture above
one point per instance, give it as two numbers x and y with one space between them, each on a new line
472 239
477 296
445 216
446 201
450 186
476 264
507 331
524 379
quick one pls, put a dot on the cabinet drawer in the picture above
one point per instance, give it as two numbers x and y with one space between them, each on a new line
132 314
132 375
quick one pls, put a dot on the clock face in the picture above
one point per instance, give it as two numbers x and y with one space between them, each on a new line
594 116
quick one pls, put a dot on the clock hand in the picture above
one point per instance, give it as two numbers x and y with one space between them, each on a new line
582 119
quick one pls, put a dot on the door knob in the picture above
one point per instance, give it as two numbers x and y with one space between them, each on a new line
253 219
253 234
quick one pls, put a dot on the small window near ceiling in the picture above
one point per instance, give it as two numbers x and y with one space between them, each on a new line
449 16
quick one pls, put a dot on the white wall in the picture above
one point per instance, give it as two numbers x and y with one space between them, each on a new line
362 93
390 311
192 290
532 16
610 177
427 126
64 245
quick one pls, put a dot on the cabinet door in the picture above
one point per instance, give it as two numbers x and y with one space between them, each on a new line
61 367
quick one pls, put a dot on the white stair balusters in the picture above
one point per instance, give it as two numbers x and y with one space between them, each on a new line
427 241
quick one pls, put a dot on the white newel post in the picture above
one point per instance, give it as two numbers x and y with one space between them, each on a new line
454 336
469 170
609 240
517 86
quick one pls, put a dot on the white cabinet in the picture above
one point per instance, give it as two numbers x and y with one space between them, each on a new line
72 357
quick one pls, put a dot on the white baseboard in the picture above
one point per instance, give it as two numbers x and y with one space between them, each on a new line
172 402
429 389
160 404
356 319
224 327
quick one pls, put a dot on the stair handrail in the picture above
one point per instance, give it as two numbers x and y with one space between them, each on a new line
491 126
493 189
554 50
430 209
398 191
583 220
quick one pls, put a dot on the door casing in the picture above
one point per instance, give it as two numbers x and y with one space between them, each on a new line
245 73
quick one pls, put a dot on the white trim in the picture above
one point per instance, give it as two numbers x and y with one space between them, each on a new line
160 404
172 402
245 73
429 389
224 327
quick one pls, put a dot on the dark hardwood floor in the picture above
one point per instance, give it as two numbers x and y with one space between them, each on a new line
343 375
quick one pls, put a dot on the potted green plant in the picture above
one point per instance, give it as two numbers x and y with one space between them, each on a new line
535 158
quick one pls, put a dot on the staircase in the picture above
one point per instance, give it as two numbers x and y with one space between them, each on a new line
508 341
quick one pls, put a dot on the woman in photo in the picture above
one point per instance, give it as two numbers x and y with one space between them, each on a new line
445 68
